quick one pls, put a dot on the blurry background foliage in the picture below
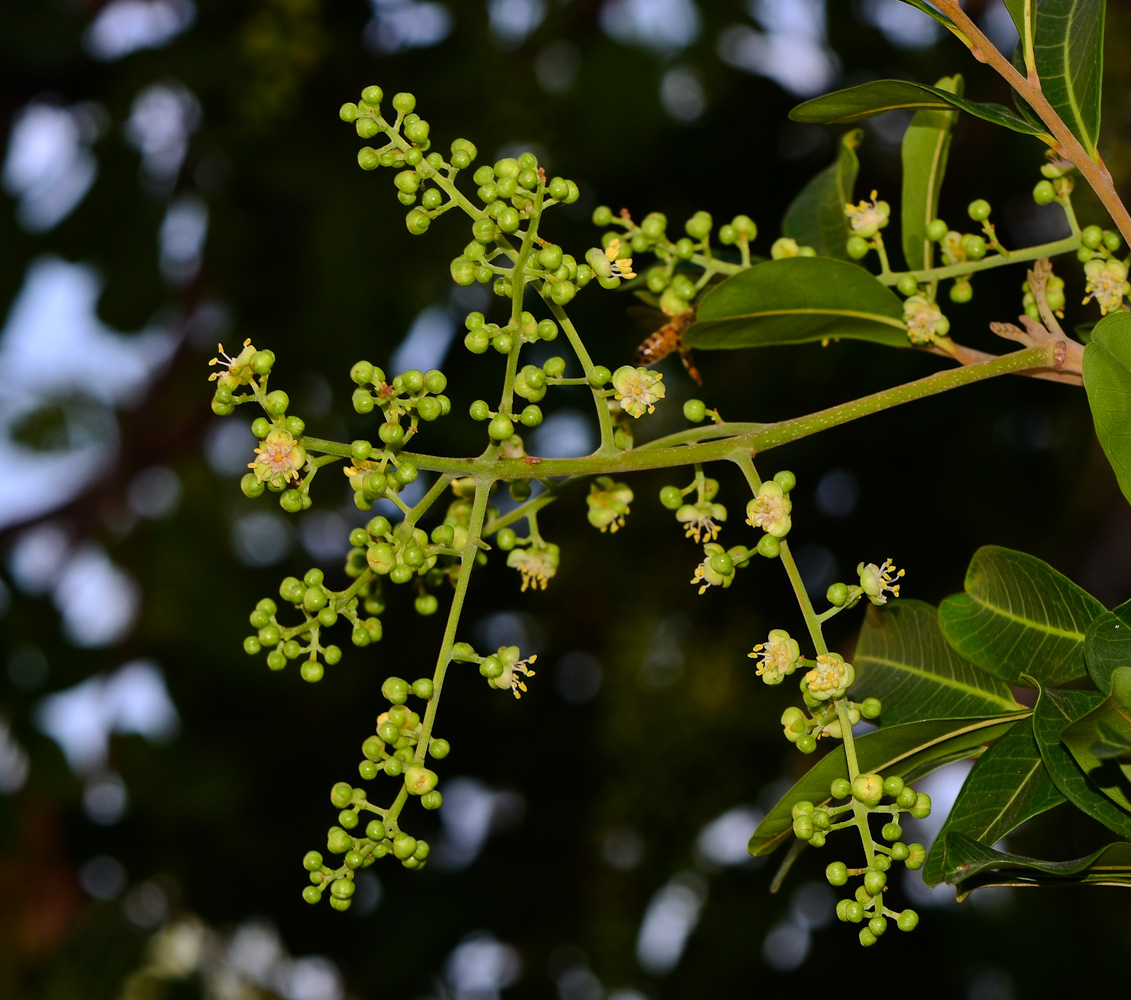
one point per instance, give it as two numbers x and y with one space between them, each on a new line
174 173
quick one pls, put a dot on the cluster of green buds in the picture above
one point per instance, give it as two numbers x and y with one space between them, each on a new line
858 800
769 509
504 669
513 192
395 750
1054 297
482 335
413 395
805 728
321 609
667 279
403 555
824 684
703 518
501 429
407 147
1105 274
281 464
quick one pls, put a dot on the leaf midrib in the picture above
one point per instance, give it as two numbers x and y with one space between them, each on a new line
1047 628
982 693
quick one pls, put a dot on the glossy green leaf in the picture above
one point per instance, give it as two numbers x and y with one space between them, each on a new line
1068 48
1105 731
1055 710
1108 645
866 100
816 218
930 11
1017 11
924 151
1107 380
1019 616
973 865
916 748
796 300
903 659
1008 785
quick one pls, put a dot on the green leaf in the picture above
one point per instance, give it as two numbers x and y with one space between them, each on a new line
1056 710
1008 785
927 9
903 659
1105 731
816 216
925 146
913 749
1017 9
1018 617
1068 48
866 100
1107 380
974 866
1108 645
796 300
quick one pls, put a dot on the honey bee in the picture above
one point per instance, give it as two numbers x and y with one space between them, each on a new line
669 338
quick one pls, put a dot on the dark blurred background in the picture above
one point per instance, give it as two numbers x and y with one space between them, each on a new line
175 174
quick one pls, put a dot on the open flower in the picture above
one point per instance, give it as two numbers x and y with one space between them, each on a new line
868 217
608 504
637 389
777 657
876 581
280 457
700 520
621 268
769 510
537 566
925 320
1107 284
237 369
830 678
515 672
706 575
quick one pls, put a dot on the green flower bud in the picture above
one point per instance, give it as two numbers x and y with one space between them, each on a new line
868 789
978 210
